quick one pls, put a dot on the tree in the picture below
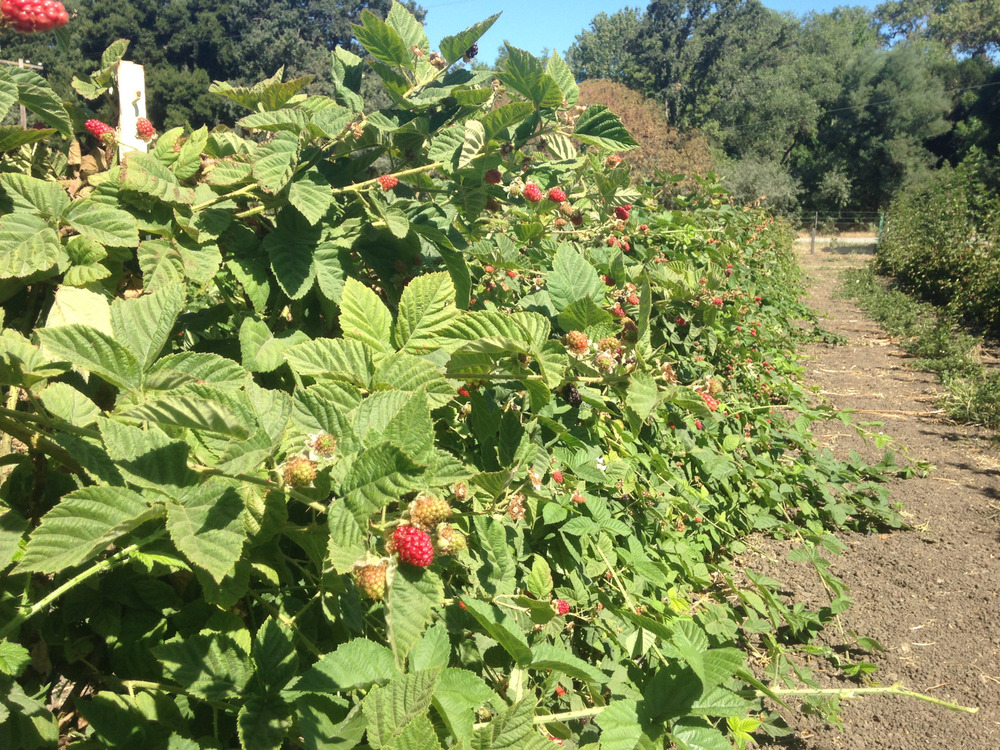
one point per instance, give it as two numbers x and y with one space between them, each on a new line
186 44
967 26
602 51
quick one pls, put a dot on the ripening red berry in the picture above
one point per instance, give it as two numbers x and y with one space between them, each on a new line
621 212
489 269
463 392
388 182
557 476
560 690
101 131
561 606
29 16
144 129
413 546
532 192
556 195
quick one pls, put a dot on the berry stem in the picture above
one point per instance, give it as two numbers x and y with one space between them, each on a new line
359 186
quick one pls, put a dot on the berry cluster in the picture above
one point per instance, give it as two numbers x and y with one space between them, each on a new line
532 192
28 16
427 511
299 472
144 129
556 195
572 395
578 341
100 130
388 182
370 578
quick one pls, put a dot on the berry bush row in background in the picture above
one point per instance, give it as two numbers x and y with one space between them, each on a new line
410 428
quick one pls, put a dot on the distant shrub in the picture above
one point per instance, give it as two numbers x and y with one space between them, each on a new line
662 147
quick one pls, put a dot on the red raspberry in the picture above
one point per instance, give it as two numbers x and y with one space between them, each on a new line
633 299
560 690
608 280
463 392
98 129
512 274
489 269
414 546
717 301
578 497
299 472
144 129
644 228
578 341
617 310
370 579
621 212
625 247
493 177
427 511
388 182
561 606
532 192
557 476
556 195
710 402
612 241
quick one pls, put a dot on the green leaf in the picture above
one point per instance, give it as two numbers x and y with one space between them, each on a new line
267 95
82 525
290 248
693 734
274 654
379 476
144 324
95 351
356 664
474 143
13 527
501 628
414 596
425 309
13 658
191 412
333 359
413 374
454 47
275 162
504 116
188 161
458 693
433 651
205 523
210 666
525 73
581 314
36 95
643 395
620 726
573 278
563 76
28 244
382 41
66 402
547 656
364 317
102 223
508 729
310 194
408 27
263 722
539 581
45 197
8 93
261 350
391 707
142 173
599 126
14 136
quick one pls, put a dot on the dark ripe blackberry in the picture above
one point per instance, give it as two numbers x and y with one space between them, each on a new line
471 52
572 395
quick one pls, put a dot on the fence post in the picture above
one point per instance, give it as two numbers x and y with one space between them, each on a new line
812 243
131 105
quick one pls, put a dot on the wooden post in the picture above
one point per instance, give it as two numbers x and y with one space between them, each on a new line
131 105
812 244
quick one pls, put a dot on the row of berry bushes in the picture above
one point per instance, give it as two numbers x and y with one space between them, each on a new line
942 242
451 453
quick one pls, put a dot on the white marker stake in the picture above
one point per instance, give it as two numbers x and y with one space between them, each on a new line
132 105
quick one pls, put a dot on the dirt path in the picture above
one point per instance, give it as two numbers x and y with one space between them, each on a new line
930 595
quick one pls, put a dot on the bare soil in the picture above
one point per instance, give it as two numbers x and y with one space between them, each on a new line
928 595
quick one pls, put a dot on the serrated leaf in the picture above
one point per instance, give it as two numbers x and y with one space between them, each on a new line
66 402
95 351
473 144
620 725
102 223
82 525
504 116
408 27
390 708
642 396
573 278
290 248
411 602
581 314
334 359
458 693
547 656
261 350
310 194
379 476
45 197
691 734
8 93
36 95
563 76
425 309
346 544
83 306
525 74
263 722
210 666
290 120
144 324
28 244
14 136
269 94
191 412
599 126
356 664
539 581
501 628
508 729
13 658
413 374
433 651
205 524
364 317
142 173
381 41
454 47
275 162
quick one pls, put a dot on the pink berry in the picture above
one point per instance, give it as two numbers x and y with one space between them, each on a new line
556 195
532 192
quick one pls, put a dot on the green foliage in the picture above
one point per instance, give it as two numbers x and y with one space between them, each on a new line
232 363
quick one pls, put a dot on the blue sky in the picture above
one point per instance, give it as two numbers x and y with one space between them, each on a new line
538 24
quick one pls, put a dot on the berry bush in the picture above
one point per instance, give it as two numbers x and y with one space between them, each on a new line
330 431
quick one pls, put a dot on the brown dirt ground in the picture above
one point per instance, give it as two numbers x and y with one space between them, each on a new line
928 595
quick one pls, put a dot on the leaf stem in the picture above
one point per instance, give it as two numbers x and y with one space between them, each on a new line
106 564
850 693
